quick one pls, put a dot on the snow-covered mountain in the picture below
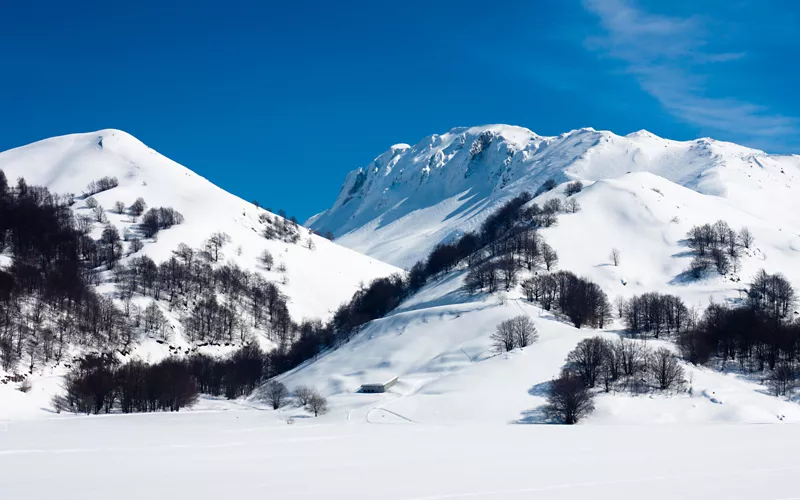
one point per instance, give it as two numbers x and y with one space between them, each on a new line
438 342
410 198
641 195
317 281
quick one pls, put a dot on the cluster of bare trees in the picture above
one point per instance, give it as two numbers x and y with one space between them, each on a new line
100 185
762 335
615 365
218 303
716 246
277 395
513 333
582 301
235 376
625 365
280 228
654 314
573 188
158 219
100 385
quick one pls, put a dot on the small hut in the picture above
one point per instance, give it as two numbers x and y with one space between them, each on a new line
373 388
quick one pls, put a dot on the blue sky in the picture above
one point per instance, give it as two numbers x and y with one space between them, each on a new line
277 101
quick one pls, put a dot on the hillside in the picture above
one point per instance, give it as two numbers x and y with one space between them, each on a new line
438 341
642 195
309 274
409 199
68 164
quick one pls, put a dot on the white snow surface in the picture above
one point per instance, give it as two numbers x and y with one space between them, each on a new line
409 199
318 280
228 452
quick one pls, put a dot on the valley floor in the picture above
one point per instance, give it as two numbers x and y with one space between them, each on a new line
234 451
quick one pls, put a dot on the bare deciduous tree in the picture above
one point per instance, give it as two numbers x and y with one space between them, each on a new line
138 207
572 206
214 244
782 379
568 399
303 395
549 256
266 260
317 404
614 256
587 358
135 245
99 213
276 394
746 238
665 369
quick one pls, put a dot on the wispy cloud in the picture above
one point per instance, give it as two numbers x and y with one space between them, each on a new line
671 60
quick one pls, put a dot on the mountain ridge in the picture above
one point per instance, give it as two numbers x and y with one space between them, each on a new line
456 176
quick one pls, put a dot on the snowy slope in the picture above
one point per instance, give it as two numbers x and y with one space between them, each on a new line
318 280
438 344
411 198
642 194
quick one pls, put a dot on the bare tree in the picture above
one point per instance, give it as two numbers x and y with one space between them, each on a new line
214 244
317 404
508 270
91 202
573 188
782 379
303 395
549 256
572 206
119 207
135 245
524 331
503 337
99 213
138 207
276 394
665 369
614 256
620 303
568 399
587 358
746 238
266 260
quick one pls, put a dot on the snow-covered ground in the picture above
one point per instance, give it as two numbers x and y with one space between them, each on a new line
233 452
438 343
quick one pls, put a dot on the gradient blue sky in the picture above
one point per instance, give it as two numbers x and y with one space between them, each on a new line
277 101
